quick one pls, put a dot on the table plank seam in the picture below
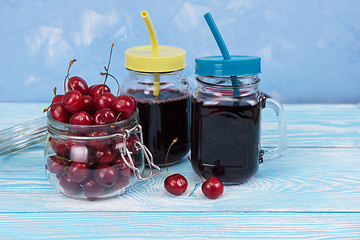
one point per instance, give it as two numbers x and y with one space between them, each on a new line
325 147
188 212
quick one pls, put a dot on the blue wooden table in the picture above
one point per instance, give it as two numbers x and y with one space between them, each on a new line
312 191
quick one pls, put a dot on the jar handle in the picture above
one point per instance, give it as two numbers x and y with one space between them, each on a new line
269 102
23 135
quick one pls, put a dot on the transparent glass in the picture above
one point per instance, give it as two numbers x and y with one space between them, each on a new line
98 161
23 135
163 100
147 82
226 127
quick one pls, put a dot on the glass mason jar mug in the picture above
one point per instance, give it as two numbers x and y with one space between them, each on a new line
155 80
226 115
98 161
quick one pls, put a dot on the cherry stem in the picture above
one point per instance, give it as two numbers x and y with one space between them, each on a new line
64 158
196 170
67 75
118 116
107 68
117 82
47 108
167 154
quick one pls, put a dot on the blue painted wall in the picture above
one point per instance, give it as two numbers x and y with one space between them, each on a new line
310 49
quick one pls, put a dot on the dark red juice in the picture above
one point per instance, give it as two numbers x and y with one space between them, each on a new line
163 120
225 138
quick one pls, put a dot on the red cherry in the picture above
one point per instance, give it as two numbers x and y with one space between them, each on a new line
121 182
103 100
79 84
59 113
91 87
88 104
98 144
92 190
73 101
106 175
212 188
176 184
80 118
78 172
59 147
106 156
104 116
134 101
68 186
56 164
102 156
98 89
122 167
60 174
125 105
58 98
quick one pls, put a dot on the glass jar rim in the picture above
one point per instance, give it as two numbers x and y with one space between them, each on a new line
241 85
57 127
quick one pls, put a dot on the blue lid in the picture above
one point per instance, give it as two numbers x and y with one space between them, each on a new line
236 66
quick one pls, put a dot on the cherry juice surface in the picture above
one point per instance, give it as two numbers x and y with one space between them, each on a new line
225 138
163 120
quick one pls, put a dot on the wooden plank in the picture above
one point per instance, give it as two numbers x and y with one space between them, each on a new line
180 225
303 180
309 125
315 125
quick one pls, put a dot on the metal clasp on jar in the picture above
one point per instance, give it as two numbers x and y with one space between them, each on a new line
138 145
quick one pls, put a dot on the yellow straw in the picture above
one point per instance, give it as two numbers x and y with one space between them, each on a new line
150 27
156 92
154 48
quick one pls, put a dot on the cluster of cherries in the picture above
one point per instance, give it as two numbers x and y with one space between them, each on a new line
95 105
94 167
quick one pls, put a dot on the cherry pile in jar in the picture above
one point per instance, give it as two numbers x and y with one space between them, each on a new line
83 167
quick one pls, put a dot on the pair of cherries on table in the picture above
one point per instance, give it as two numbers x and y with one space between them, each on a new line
177 184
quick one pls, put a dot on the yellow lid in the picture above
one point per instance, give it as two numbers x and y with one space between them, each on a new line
154 58
168 59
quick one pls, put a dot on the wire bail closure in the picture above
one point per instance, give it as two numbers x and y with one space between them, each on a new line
138 145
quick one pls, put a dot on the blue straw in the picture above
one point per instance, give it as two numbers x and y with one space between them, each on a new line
219 40
223 49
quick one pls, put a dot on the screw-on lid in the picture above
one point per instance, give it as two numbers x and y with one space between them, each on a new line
154 58
143 59
236 66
